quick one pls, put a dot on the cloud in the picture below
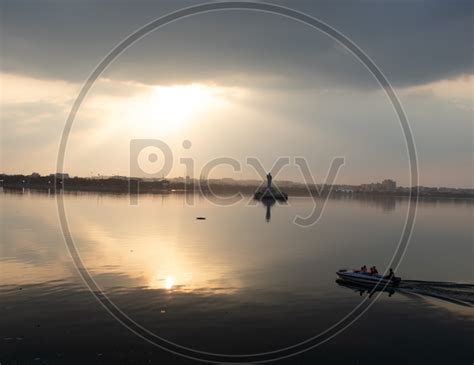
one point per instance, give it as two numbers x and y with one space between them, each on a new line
289 88
412 42
459 91
262 122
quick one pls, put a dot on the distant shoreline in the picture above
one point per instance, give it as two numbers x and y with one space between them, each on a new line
124 186
372 196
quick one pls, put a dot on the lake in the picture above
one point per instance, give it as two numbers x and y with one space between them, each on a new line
245 280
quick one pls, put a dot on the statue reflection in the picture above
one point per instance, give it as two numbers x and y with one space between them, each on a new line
269 203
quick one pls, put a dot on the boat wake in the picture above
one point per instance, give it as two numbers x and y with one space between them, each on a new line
457 293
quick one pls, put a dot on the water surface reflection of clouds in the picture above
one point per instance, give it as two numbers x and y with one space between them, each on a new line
160 244
191 281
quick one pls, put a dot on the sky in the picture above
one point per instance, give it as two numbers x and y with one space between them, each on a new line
239 84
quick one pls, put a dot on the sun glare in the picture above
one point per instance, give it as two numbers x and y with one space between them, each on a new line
171 107
169 282
161 111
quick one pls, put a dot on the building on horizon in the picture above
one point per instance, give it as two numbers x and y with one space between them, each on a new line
389 185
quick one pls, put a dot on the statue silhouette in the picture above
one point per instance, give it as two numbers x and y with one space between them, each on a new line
269 180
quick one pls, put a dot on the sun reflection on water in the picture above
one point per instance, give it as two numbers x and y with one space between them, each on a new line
169 282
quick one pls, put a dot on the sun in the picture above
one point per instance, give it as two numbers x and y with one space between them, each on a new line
164 110
169 282
172 107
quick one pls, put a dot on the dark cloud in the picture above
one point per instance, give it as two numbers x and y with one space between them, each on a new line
412 42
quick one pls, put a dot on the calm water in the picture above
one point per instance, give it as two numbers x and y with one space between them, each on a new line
238 282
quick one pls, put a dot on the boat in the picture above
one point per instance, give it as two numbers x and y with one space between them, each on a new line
370 290
364 278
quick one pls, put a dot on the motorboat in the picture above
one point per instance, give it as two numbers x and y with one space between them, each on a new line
370 290
365 278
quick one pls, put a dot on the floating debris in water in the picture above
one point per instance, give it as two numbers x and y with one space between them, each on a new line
201 218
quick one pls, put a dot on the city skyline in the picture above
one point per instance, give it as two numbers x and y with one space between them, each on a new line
387 184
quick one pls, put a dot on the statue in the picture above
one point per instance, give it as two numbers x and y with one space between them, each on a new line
269 192
269 181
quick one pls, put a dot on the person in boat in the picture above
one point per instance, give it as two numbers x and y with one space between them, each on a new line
363 269
390 275
373 271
